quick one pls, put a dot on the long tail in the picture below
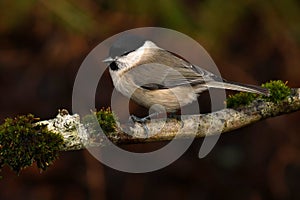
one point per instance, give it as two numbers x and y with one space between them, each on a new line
229 85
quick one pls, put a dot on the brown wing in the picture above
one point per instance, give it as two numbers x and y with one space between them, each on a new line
166 70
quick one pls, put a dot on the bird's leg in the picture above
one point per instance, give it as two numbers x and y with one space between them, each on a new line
143 120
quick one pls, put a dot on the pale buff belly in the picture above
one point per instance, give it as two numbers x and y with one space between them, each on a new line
171 99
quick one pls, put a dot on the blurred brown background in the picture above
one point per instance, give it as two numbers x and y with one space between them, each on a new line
42 44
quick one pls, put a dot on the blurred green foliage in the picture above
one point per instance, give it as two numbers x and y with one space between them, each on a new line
67 14
214 20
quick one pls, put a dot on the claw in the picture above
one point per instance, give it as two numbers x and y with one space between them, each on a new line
142 121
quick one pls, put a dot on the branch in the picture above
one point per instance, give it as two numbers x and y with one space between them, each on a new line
68 125
24 141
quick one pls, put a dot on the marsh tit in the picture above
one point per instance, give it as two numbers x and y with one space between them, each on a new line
150 75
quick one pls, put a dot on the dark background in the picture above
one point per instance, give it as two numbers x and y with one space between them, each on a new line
43 43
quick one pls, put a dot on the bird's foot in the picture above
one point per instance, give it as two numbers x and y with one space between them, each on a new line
143 121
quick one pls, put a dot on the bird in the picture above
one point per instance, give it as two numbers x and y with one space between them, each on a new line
150 75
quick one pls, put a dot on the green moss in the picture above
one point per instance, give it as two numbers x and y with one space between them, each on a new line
240 99
279 91
106 119
22 143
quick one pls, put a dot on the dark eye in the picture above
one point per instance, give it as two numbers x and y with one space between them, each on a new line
113 66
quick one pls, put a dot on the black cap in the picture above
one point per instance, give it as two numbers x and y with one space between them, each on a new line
125 44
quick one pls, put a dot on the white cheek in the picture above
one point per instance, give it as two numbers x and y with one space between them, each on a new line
123 83
132 58
115 76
